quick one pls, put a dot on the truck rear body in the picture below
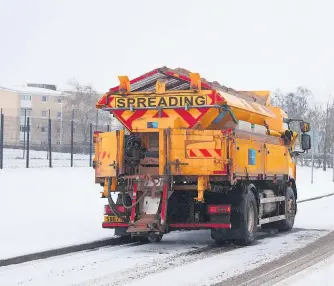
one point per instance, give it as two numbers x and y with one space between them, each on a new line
190 154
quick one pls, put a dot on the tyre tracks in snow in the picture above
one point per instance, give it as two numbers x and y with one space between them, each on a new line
278 270
118 266
159 265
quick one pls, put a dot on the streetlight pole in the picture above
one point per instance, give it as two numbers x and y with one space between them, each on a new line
313 139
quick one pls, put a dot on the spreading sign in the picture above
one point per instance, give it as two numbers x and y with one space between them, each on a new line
160 101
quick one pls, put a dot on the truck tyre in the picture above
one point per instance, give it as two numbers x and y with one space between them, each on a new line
154 238
290 212
121 231
248 218
219 236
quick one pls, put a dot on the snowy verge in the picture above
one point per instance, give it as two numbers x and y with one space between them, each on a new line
43 209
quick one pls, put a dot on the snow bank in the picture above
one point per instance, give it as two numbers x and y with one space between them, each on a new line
42 209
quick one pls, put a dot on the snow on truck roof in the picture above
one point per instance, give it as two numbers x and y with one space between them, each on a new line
243 103
178 79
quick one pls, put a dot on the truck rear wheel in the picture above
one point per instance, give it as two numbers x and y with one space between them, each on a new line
154 238
219 236
244 218
121 231
248 218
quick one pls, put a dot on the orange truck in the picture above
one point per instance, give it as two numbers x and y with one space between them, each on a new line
196 155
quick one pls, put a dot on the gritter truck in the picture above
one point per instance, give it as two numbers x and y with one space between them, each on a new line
194 154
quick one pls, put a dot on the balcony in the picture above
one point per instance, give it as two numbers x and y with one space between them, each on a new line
25 103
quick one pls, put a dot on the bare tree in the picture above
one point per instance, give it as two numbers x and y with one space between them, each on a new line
81 104
328 135
295 104
316 115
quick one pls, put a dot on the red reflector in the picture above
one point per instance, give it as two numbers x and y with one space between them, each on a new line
219 209
121 209
95 134
108 211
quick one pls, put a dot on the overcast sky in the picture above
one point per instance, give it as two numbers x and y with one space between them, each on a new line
242 44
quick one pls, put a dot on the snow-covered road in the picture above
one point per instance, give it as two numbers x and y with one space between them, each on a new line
52 208
182 258
321 273
59 207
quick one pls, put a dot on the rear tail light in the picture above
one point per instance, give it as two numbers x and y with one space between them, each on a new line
119 208
219 209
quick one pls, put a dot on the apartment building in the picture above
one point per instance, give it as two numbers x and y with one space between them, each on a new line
37 102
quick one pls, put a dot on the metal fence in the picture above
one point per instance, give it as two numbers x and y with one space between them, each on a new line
42 142
318 160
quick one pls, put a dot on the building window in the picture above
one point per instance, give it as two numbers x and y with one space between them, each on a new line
44 98
23 128
26 97
59 115
44 113
24 111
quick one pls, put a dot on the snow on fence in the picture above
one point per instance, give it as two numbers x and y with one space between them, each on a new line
43 142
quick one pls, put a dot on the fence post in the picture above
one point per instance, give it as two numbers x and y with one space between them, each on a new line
90 144
24 132
333 162
312 158
49 141
1 139
72 131
28 142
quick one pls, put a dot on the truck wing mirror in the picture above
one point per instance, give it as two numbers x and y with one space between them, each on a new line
306 142
304 127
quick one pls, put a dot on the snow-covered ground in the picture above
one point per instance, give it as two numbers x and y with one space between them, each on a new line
42 208
322 182
13 158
